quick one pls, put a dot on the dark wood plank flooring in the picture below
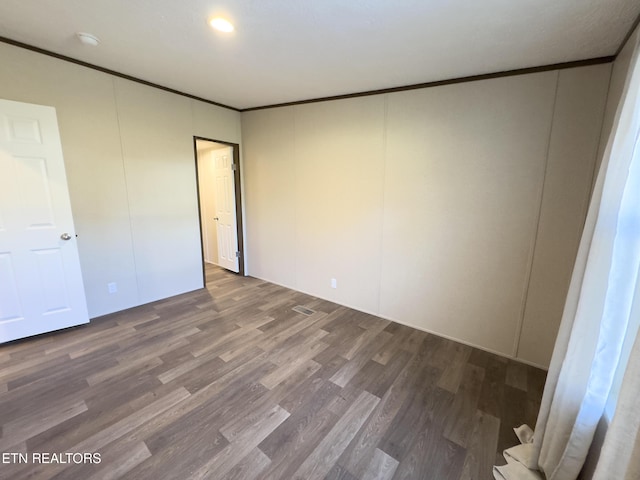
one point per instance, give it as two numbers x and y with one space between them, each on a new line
229 382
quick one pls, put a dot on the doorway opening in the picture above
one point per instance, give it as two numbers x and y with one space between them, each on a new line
219 204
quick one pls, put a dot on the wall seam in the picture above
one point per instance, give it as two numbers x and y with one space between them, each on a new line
243 200
601 148
532 256
295 210
385 125
126 188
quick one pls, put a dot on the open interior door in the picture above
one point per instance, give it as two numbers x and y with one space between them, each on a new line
40 279
225 191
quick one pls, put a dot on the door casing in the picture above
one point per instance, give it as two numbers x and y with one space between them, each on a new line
238 200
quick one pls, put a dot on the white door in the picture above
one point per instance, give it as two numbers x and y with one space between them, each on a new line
206 185
40 281
225 191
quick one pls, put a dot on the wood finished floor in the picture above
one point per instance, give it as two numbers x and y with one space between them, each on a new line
229 382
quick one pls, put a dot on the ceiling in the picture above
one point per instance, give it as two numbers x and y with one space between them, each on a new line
291 50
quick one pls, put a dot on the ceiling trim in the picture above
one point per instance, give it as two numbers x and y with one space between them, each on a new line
49 53
452 81
634 25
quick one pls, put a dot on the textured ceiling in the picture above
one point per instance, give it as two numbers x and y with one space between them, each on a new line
289 50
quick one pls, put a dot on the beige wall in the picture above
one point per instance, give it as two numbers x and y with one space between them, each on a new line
454 209
579 106
131 171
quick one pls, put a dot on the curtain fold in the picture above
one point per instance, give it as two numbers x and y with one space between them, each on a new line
620 455
595 323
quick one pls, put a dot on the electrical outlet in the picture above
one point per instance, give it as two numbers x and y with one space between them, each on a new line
112 287
334 283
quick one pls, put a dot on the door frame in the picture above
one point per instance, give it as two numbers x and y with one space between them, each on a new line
238 200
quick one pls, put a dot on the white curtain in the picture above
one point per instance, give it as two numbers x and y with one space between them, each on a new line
597 320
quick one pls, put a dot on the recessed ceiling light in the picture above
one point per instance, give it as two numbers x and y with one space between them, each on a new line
221 24
88 39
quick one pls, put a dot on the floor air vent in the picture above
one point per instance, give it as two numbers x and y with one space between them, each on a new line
303 310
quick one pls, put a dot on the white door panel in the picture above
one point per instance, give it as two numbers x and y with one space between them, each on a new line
207 206
10 307
40 280
226 209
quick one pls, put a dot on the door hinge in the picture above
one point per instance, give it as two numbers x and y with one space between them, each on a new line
237 254
234 167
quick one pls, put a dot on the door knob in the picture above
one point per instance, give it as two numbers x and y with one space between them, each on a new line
216 218
65 236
